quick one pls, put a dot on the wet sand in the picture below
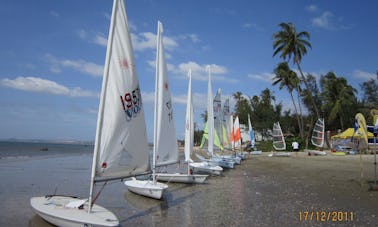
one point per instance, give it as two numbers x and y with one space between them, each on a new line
262 191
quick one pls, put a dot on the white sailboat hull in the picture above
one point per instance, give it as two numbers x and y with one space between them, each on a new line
256 152
233 158
146 188
204 167
54 210
279 154
181 178
316 152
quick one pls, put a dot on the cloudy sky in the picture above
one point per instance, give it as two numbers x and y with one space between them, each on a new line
52 54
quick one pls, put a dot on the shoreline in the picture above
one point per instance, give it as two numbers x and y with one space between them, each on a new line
262 191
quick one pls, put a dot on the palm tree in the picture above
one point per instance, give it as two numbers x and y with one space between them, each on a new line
289 79
338 97
292 45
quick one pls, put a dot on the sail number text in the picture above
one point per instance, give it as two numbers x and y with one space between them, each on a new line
131 103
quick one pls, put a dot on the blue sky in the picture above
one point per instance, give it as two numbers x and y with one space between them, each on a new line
52 54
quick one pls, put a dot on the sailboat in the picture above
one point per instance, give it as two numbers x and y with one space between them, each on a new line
121 148
165 140
212 133
165 150
317 138
252 138
278 141
196 167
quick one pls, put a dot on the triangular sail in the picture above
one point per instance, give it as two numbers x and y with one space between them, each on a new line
317 138
251 133
278 137
236 136
205 138
218 116
189 123
165 141
210 115
121 148
226 130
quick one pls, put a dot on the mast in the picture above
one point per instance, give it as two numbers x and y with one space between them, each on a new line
102 102
160 30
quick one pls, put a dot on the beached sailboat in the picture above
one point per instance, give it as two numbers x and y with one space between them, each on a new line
212 133
121 148
166 148
317 138
252 139
279 143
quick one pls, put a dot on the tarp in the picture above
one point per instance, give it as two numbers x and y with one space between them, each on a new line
349 133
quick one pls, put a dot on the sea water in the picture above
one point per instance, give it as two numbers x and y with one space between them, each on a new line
22 149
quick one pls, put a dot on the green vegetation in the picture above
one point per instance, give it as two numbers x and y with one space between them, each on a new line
331 97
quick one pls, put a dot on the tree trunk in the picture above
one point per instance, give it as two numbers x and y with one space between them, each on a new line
305 82
298 119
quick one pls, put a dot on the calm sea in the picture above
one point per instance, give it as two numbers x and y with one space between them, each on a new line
12 149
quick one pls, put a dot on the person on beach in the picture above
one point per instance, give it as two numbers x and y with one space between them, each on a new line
295 146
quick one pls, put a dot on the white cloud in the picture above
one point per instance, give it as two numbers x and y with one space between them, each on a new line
101 40
324 21
82 34
39 85
312 8
54 13
330 22
199 72
265 77
147 40
79 65
364 75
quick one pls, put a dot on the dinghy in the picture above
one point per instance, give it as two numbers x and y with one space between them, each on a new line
166 134
120 124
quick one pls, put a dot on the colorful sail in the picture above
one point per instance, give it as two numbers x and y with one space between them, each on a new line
189 122
361 122
251 133
236 136
121 148
278 137
317 138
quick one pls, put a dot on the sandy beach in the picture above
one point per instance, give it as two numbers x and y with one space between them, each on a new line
262 191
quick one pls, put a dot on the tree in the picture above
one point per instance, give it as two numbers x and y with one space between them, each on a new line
242 107
288 79
338 99
292 45
264 112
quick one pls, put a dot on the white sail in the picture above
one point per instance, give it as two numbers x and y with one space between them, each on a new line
218 116
278 138
165 140
226 130
189 123
210 115
317 138
121 148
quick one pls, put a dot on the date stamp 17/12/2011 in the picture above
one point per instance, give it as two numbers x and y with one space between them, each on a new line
326 216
